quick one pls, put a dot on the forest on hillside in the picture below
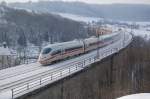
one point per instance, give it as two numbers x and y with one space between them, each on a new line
123 12
27 32
19 27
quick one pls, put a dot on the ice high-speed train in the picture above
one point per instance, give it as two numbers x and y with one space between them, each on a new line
59 51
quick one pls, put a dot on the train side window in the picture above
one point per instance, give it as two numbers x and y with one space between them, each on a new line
73 48
56 52
46 50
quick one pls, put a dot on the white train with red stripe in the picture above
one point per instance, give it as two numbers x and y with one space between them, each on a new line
59 51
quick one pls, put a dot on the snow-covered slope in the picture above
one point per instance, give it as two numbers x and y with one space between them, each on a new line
137 96
128 12
142 33
79 18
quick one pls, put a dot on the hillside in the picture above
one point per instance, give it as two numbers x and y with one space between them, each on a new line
18 27
125 12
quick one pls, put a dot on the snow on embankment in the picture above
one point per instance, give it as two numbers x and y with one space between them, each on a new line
137 96
6 95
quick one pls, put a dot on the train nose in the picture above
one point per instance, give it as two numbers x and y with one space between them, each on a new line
40 57
43 58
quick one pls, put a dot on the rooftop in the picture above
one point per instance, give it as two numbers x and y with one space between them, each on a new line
5 51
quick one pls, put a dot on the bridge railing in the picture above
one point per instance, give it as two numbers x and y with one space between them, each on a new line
63 71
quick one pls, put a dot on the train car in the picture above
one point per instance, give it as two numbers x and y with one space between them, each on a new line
59 51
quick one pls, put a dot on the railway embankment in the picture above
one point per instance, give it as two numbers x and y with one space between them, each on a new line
126 72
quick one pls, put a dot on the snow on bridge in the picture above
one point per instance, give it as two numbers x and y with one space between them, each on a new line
17 81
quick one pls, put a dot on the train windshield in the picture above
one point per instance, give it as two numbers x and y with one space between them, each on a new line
46 50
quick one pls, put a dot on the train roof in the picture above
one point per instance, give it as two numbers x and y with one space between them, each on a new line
74 43
90 40
94 39
64 45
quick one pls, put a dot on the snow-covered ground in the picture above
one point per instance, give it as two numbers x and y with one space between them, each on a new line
137 23
143 29
6 95
79 18
137 96
142 33
143 23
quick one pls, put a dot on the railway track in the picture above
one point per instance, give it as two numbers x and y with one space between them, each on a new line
51 68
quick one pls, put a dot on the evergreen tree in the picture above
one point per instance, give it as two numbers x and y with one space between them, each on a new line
46 37
22 41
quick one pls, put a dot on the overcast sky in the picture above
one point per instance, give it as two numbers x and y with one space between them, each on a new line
93 1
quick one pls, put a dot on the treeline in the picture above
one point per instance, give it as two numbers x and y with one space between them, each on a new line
20 27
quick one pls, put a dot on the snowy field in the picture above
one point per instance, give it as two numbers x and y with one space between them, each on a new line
79 18
142 33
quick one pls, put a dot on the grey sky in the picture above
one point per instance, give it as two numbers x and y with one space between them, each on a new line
93 1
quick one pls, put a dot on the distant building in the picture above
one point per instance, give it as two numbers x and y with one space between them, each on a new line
6 58
4 50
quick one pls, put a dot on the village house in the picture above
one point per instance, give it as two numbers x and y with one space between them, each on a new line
6 58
